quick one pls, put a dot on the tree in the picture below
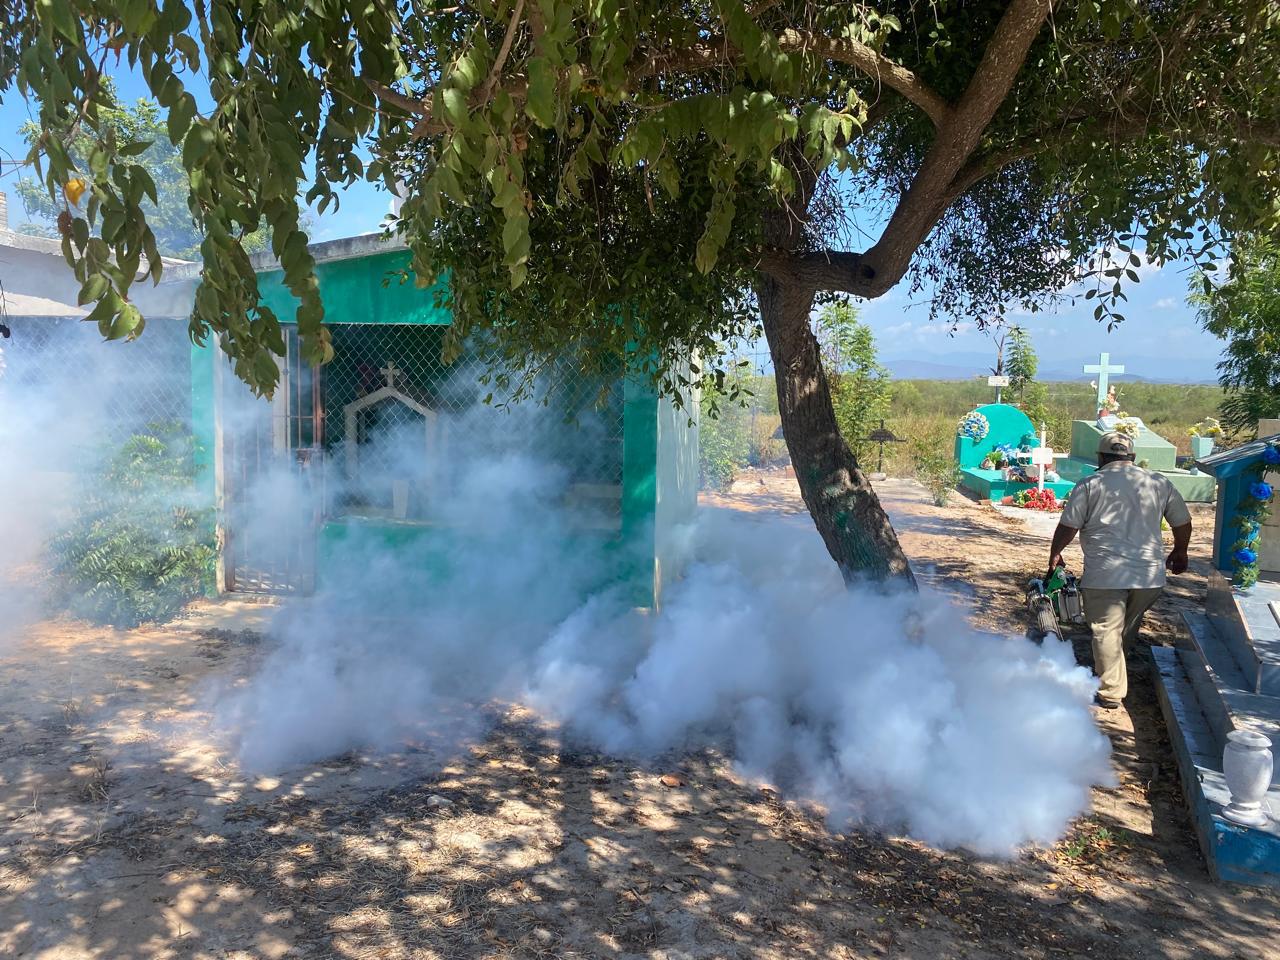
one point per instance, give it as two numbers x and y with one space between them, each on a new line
169 217
660 177
1244 310
1022 362
860 385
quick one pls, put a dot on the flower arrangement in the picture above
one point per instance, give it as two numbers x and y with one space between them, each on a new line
974 426
1208 427
1251 513
1128 426
1037 499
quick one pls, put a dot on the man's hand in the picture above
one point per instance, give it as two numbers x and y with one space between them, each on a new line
1061 537
1176 562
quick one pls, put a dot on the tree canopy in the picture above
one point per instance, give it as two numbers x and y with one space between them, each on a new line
1244 310
565 147
659 177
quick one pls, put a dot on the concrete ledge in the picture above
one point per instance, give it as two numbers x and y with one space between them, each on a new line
1233 853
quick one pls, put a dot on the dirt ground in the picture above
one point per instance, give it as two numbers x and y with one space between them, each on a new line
124 835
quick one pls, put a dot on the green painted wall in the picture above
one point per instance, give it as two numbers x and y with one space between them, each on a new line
360 289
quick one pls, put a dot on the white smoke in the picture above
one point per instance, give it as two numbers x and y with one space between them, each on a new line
954 736
67 400
957 737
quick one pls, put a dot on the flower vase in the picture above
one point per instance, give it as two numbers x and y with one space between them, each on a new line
1247 765
1201 447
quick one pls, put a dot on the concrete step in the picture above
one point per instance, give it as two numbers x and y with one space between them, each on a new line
1250 631
1234 853
1221 688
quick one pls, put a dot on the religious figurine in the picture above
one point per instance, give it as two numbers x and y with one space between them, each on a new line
1110 405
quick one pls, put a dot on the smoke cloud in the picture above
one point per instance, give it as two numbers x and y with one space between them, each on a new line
959 738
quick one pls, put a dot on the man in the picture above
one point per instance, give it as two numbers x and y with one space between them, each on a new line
1117 512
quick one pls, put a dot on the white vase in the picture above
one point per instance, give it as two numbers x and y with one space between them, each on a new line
1247 765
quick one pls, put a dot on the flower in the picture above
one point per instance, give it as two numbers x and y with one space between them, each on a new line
973 425
1260 491
1245 556
1271 455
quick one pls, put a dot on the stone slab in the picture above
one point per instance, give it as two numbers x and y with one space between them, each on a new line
1159 453
1233 853
990 485
1247 626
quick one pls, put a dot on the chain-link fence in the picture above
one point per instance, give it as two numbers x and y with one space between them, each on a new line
95 394
387 431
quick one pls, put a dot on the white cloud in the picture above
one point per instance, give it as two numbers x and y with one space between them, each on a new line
1165 303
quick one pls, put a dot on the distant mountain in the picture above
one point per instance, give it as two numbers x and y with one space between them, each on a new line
967 366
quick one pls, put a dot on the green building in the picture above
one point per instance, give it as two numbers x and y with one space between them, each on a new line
374 449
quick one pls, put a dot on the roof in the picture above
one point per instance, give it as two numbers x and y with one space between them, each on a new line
1228 463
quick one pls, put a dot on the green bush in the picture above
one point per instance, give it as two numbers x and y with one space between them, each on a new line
934 466
138 548
724 441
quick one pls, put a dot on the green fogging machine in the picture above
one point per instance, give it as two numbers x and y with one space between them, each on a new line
1054 602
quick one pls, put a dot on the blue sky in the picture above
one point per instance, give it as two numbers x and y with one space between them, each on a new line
1160 338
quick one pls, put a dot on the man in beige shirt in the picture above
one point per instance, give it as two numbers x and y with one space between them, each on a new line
1117 512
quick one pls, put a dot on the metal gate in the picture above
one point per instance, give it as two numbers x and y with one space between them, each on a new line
273 481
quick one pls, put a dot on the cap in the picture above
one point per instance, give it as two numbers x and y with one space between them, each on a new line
1116 444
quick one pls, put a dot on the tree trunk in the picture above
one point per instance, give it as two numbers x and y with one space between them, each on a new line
844 508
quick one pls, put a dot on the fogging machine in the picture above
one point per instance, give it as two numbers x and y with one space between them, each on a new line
1054 602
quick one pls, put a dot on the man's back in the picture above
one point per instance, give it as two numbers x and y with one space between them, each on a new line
1118 511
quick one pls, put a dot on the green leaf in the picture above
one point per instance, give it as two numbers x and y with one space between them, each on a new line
93 289
455 105
541 105
135 148
62 16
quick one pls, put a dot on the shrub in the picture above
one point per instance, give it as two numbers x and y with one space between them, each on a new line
724 441
935 467
137 548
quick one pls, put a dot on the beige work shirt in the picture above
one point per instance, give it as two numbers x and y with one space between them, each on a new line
1117 511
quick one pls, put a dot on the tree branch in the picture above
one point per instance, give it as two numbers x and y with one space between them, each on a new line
874 64
926 199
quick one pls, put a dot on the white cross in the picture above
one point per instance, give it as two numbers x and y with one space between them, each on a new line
391 371
1102 368
1043 456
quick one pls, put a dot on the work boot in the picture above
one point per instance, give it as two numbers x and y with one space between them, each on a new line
1100 701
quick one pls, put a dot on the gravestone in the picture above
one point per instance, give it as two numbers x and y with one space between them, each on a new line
1008 426
1150 449
1228 678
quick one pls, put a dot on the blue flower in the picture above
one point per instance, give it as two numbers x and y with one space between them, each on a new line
1260 491
1245 556
1271 455
1249 532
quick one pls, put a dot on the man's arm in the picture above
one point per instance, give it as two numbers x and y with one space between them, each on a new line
1061 538
1177 559
1179 519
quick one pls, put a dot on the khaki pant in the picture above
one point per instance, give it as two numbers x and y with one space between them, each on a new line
1114 617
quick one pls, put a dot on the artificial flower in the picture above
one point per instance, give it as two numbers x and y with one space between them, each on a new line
1245 556
1260 491
1271 455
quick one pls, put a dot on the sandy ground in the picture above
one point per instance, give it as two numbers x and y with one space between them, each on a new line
124 835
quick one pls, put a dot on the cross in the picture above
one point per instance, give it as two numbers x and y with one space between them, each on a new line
1043 455
881 435
391 371
1102 368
